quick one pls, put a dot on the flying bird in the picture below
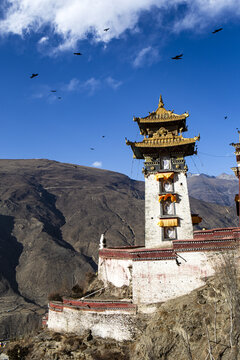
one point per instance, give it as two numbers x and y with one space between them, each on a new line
216 30
33 75
225 117
103 136
92 149
59 98
53 90
177 57
106 29
77 53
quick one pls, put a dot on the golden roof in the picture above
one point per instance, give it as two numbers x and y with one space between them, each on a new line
163 137
161 115
164 142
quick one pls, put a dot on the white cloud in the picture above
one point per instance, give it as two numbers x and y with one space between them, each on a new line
72 85
146 56
113 83
97 164
207 12
37 96
73 20
43 40
91 85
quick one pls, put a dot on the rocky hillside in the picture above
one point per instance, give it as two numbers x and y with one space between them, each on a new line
219 190
51 218
197 326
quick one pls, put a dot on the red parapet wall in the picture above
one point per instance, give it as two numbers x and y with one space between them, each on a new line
218 233
92 305
206 245
56 306
138 254
205 240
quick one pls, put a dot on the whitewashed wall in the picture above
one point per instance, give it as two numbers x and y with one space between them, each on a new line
153 232
116 271
118 325
185 230
157 281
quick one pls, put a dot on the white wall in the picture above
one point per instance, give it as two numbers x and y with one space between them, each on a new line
110 324
185 230
116 271
153 232
157 281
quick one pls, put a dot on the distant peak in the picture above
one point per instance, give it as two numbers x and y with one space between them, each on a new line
191 174
225 176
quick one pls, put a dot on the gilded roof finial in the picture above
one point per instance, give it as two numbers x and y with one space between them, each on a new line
160 104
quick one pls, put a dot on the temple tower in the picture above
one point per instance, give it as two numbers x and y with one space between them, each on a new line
237 173
167 208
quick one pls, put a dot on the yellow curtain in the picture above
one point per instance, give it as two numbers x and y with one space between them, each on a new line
196 219
164 176
168 222
172 197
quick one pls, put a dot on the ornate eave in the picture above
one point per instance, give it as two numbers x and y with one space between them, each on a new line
164 142
162 132
162 116
176 144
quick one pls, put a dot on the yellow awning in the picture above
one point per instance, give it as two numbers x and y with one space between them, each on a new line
196 219
172 197
165 176
168 222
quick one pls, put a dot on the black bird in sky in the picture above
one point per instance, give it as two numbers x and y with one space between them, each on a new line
77 53
103 136
106 29
225 117
33 75
177 57
53 90
92 149
216 30
59 98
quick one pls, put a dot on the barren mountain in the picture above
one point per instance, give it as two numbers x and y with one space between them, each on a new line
51 218
219 190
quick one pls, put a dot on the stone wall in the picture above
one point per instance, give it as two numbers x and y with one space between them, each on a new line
185 228
153 232
158 275
157 281
116 271
114 323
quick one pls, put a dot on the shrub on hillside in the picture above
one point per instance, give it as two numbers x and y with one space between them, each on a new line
77 291
89 278
55 296
17 352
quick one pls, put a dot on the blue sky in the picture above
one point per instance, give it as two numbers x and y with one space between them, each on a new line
121 74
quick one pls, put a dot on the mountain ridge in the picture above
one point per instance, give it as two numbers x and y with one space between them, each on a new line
51 217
